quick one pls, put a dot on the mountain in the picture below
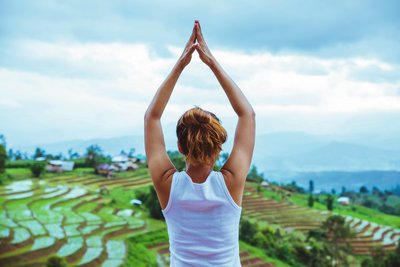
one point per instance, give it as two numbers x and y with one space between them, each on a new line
284 151
112 146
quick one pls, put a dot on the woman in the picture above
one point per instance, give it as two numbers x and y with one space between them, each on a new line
201 207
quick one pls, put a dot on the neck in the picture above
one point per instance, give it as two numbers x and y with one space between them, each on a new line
198 172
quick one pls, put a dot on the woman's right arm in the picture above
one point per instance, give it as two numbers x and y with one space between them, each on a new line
236 167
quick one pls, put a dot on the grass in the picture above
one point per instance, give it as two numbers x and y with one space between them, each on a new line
19 173
354 210
57 216
260 253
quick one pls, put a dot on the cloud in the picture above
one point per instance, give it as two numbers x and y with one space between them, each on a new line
326 29
83 90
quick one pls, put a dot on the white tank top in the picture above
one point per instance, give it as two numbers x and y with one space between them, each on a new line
203 223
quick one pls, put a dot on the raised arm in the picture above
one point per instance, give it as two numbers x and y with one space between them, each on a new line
236 167
158 162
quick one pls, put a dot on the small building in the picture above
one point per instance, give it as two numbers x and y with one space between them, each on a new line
106 170
120 159
59 166
265 184
124 163
136 202
343 201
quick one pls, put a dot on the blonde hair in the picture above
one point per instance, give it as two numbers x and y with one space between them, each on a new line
200 136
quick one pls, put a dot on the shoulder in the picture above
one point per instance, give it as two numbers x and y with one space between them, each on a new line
234 185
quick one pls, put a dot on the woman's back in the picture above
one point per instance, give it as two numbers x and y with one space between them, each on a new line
202 219
203 222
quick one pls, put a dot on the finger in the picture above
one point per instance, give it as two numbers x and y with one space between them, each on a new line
189 51
192 38
200 37
199 50
192 48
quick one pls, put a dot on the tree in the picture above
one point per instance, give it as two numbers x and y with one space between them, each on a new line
247 231
10 154
72 154
376 191
333 191
56 261
329 202
92 156
223 157
343 190
39 153
310 200
177 159
3 141
336 232
364 190
131 152
150 201
18 155
311 187
37 169
3 158
254 175
153 205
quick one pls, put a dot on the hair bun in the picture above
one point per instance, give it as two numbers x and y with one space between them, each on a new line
197 117
200 136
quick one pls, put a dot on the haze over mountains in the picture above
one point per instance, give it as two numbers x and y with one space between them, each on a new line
294 151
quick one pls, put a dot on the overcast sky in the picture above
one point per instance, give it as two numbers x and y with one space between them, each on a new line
88 69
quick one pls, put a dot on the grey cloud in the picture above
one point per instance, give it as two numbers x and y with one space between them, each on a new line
309 27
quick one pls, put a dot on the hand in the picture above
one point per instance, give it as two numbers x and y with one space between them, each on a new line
202 48
186 56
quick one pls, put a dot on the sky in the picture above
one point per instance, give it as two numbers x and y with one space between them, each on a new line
88 69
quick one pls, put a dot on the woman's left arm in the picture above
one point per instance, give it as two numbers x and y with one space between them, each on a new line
160 166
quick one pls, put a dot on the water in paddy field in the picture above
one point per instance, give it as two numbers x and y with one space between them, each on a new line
60 217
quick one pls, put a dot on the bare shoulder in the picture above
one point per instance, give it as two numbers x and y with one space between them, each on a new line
234 184
163 187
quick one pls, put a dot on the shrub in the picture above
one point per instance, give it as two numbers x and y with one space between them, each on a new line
329 202
140 256
247 231
310 200
19 164
150 200
37 169
3 157
56 261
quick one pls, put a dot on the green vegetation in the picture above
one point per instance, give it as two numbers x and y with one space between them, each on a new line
91 220
3 157
353 210
329 202
37 169
380 258
151 202
55 261
138 252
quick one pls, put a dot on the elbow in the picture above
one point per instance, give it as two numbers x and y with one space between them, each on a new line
149 115
146 116
250 113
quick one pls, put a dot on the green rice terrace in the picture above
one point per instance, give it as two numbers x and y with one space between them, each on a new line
88 220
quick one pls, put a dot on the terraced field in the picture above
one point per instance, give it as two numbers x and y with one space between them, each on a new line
292 217
162 250
68 217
